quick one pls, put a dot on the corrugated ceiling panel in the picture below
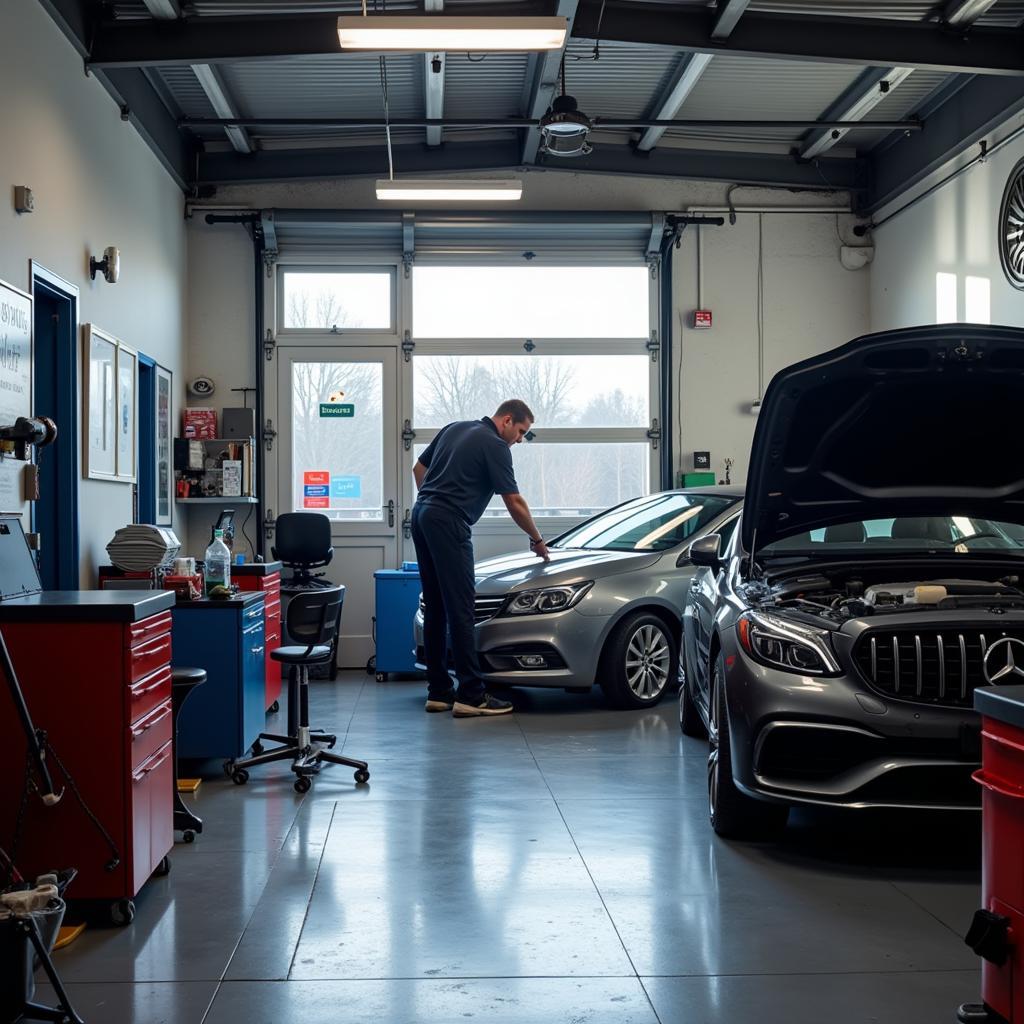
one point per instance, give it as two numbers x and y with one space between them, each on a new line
184 88
492 87
624 82
734 88
342 86
1004 12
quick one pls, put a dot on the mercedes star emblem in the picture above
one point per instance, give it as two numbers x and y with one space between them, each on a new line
1005 658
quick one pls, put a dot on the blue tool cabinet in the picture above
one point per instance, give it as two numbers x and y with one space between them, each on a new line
397 593
225 714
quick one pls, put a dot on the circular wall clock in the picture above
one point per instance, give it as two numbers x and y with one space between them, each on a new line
1011 228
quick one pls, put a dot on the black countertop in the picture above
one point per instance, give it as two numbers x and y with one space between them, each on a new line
255 568
1003 703
86 606
239 600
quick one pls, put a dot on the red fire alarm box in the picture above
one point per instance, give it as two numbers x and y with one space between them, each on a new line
702 319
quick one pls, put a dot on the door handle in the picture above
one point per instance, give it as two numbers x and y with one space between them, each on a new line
391 512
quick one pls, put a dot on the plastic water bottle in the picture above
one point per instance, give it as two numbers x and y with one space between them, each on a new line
218 562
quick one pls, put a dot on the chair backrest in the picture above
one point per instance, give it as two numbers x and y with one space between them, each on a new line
302 539
313 616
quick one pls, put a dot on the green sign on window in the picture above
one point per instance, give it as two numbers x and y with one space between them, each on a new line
334 410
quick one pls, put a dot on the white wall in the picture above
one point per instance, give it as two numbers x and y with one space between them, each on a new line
811 303
952 231
96 184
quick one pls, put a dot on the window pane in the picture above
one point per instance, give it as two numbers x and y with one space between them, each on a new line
562 391
531 302
348 301
337 461
574 479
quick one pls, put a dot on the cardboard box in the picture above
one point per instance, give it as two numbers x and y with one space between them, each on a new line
199 423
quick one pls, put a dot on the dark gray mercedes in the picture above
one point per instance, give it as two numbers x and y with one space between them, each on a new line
832 649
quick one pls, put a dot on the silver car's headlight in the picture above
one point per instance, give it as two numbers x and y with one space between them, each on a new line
548 599
788 645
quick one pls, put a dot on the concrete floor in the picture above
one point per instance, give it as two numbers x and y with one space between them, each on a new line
553 866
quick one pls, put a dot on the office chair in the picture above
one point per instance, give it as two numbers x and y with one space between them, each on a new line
303 543
312 621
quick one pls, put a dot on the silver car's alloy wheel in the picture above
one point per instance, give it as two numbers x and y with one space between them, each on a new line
713 747
648 659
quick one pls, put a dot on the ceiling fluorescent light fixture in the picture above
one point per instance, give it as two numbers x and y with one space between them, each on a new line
456 190
423 33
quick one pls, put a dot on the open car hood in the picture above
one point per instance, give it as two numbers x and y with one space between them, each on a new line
916 422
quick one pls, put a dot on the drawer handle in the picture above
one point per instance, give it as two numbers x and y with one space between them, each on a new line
149 689
136 733
143 772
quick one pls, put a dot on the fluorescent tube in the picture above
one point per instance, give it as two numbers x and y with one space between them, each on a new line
452 190
443 32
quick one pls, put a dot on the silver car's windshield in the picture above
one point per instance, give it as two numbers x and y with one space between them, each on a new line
962 534
655 523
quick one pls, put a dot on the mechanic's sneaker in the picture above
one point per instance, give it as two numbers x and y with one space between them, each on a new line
444 702
487 705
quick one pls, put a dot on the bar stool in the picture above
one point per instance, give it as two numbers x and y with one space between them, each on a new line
183 682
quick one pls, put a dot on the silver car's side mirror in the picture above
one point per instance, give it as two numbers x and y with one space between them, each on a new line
704 552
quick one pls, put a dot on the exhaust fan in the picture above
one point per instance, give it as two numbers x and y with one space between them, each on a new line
564 130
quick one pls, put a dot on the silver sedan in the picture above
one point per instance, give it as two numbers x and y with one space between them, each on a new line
606 608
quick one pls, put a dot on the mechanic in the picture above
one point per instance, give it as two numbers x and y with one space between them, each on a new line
462 469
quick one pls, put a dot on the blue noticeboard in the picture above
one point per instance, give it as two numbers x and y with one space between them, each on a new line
346 487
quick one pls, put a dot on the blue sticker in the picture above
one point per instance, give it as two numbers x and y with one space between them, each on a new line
315 490
346 486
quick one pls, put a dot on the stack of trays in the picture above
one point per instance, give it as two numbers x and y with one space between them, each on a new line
141 548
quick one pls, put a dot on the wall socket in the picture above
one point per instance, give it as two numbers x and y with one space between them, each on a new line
24 200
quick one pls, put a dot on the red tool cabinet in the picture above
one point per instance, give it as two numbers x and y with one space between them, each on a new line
997 932
266 577
95 668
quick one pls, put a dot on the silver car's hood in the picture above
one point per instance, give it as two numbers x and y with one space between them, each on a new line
524 570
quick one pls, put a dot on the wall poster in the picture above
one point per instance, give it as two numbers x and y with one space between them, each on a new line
15 390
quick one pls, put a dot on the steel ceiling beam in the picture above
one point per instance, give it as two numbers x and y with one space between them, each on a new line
964 12
220 99
433 82
547 68
968 116
748 168
873 42
688 74
871 87
165 10
727 14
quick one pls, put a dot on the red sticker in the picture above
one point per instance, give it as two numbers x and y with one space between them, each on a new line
316 477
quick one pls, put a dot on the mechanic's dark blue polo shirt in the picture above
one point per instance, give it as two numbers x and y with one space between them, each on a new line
467 464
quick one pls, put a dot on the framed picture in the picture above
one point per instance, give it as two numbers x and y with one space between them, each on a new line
127 411
163 477
100 406
15 389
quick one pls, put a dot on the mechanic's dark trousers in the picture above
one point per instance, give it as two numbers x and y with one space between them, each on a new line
444 550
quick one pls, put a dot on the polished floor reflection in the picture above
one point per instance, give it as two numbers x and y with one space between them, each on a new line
549 867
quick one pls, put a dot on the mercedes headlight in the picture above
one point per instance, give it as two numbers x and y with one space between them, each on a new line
788 645
549 599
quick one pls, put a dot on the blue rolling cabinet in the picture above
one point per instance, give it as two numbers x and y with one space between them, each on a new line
397 595
222 717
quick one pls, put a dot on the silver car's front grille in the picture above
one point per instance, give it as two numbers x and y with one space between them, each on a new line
484 608
926 666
